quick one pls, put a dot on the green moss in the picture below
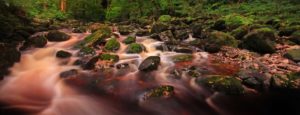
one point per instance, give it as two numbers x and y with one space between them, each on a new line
129 40
100 35
112 45
239 32
86 51
293 55
160 91
182 58
226 84
234 20
135 48
109 57
221 38
165 18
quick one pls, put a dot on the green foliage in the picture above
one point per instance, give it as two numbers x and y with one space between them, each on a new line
236 20
134 48
129 40
165 18
90 10
109 57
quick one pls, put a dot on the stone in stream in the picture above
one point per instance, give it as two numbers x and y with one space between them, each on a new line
86 52
57 36
91 63
260 40
69 73
159 27
293 54
125 30
225 84
38 41
112 45
129 40
98 36
158 92
150 63
142 32
252 79
181 34
109 57
166 36
183 49
63 54
135 48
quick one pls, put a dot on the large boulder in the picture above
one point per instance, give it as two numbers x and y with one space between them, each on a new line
38 41
63 54
98 36
260 40
293 55
125 30
112 45
135 48
150 63
181 34
57 36
218 39
224 84
159 27
239 32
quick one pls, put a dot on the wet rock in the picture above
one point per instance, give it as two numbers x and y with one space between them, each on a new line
142 32
86 52
38 41
159 27
126 30
226 84
181 34
150 63
109 57
181 49
197 30
135 48
79 30
97 37
218 39
162 91
112 45
57 36
239 32
295 37
166 36
69 73
285 82
260 40
129 40
252 79
182 58
91 63
293 55
122 66
8 56
63 54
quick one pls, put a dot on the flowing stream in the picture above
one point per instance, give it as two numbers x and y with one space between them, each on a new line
35 86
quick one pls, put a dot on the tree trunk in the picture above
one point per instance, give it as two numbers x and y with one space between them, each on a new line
63 5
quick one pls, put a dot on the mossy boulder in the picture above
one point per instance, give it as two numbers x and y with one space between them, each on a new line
86 52
63 54
260 40
109 57
162 91
252 79
182 58
38 41
57 36
135 48
290 81
225 84
181 34
197 30
150 64
289 30
233 21
221 39
125 29
293 55
295 37
239 32
129 40
165 18
159 27
112 45
98 36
